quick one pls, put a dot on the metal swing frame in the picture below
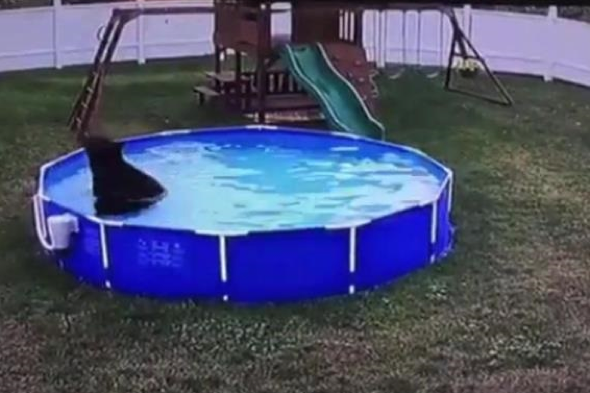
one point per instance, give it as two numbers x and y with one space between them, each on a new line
461 42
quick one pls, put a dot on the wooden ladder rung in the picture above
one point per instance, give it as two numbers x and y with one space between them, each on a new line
223 77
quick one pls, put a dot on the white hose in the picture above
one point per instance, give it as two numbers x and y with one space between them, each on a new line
40 228
54 233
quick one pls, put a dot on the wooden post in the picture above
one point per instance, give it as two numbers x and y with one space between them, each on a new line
217 66
217 60
219 10
238 93
238 65
358 28
262 21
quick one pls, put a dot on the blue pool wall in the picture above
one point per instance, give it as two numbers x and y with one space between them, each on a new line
277 266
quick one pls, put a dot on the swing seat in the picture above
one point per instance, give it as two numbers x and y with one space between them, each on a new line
468 73
467 68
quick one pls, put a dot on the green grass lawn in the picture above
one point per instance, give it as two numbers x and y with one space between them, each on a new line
509 311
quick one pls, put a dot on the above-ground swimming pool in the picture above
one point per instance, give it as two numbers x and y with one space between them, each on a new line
254 214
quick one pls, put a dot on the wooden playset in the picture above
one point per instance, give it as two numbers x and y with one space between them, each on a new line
244 28
246 31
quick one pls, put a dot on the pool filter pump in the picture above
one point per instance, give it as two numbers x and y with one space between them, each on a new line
60 228
54 232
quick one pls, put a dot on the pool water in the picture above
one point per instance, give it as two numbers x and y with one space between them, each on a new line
264 186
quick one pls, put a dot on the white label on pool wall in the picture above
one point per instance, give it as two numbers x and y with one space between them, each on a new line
248 184
159 253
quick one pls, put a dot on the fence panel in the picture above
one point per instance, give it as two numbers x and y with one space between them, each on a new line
542 45
26 39
571 48
511 42
80 28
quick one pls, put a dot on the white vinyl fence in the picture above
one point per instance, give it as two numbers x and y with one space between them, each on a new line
64 35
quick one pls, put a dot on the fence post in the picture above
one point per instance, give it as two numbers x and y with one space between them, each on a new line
550 32
140 35
467 20
57 8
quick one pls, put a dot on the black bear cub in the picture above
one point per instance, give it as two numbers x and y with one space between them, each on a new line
118 187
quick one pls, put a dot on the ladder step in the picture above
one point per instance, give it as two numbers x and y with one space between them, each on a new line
203 93
206 91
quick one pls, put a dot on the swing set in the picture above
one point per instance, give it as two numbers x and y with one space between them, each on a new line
245 27
463 58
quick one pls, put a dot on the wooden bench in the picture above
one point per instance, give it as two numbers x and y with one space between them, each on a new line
205 93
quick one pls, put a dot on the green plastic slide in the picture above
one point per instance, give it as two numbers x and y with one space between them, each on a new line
340 102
